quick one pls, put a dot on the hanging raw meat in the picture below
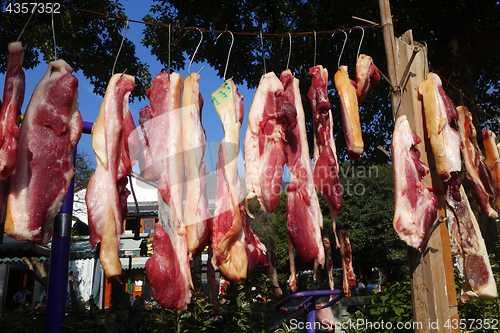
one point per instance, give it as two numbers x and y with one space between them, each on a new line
115 143
255 250
51 128
367 77
304 218
292 280
415 207
328 259
478 279
264 145
326 167
196 215
439 113
346 257
491 150
168 268
271 268
228 238
162 149
349 113
478 172
13 96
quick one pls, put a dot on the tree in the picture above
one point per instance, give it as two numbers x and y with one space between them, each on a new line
463 39
86 41
83 169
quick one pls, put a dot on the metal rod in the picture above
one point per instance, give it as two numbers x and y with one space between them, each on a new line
59 263
87 127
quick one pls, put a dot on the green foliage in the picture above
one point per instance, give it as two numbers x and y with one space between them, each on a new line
83 169
392 305
85 41
367 213
460 41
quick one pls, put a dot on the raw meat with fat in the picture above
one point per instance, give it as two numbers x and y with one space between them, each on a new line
439 113
264 145
326 167
51 128
115 143
196 215
304 218
168 268
415 207
349 113
349 279
228 238
367 77
163 160
478 172
478 279
491 150
271 268
10 110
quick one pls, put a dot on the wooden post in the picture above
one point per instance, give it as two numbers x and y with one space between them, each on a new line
432 280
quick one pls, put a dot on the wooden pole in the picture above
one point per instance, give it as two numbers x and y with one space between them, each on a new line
432 280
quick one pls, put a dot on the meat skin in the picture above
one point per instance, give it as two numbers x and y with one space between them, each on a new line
304 218
13 97
115 143
227 237
478 172
415 207
196 215
52 127
493 161
439 112
367 77
264 144
349 113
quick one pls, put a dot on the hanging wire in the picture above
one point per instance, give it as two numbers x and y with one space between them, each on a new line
195 51
54 37
229 53
289 50
343 46
361 41
32 12
119 50
263 58
314 61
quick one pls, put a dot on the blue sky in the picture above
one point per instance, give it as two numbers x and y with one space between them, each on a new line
89 103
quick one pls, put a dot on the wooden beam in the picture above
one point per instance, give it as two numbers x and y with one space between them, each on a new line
432 281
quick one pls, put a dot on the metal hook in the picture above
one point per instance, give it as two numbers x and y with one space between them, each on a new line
229 53
343 46
32 12
54 37
262 45
195 51
289 50
361 41
314 62
119 50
